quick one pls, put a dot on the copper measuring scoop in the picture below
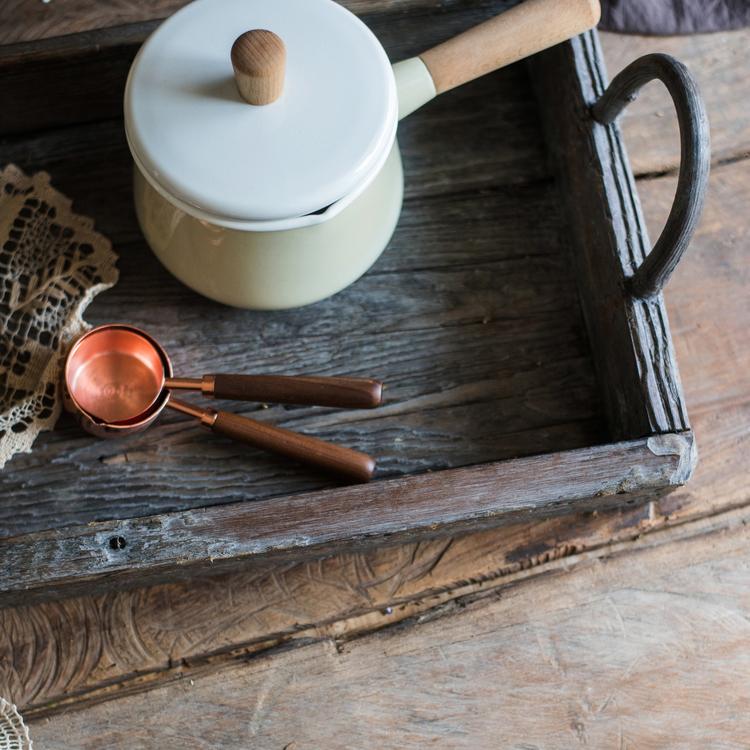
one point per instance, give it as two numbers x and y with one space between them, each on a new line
118 379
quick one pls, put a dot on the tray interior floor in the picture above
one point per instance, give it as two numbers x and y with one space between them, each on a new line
471 318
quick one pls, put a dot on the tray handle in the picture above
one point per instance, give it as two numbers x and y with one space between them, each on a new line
695 158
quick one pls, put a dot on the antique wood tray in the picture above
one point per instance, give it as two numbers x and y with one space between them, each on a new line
528 361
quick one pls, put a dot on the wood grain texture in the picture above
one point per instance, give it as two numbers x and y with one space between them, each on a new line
66 80
479 248
259 62
62 654
336 460
21 20
75 560
353 393
84 650
508 37
644 647
631 343
651 130
189 485
81 77
651 276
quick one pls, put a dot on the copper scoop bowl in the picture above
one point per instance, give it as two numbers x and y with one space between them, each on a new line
118 379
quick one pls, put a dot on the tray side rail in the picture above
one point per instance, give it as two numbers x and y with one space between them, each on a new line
89 559
619 281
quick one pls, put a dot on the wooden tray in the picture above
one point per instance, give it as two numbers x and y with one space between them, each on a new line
529 373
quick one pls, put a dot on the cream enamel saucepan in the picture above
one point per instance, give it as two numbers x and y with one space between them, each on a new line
267 172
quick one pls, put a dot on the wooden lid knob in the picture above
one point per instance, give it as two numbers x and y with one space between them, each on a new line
259 61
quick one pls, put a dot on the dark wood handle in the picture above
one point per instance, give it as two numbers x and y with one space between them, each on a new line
695 160
344 462
357 393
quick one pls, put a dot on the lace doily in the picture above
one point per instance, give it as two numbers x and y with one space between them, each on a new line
52 264
14 735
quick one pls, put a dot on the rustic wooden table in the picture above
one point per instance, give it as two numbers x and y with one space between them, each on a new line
623 629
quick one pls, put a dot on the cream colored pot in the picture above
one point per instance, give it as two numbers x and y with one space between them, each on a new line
283 184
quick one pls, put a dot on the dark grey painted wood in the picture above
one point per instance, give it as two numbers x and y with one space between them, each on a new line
303 526
695 162
632 346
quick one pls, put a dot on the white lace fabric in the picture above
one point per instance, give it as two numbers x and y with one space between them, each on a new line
52 264
14 735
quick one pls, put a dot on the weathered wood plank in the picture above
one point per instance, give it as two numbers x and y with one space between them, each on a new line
66 80
437 318
590 641
95 647
24 21
650 127
451 400
520 419
630 339
483 136
306 526
132 640
651 131
80 78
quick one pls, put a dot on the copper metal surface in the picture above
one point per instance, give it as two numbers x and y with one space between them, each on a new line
206 416
205 384
117 380
185 384
76 377
115 373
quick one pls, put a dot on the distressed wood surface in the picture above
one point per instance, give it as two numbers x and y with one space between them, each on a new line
479 249
81 78
643 647
23 20
81 651
86 559
717 60
630 338
66 653
84 556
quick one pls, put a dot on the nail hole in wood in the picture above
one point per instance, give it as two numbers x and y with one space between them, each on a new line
117 542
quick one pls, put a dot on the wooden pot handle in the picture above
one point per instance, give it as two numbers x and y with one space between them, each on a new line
343 462
355 393
695 160
519 32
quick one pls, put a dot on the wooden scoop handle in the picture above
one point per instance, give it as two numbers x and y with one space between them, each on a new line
344 462
519 32
356 393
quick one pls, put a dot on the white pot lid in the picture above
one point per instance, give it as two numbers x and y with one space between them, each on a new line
205 147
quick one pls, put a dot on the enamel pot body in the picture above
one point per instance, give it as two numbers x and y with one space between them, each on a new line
277 269
289 196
